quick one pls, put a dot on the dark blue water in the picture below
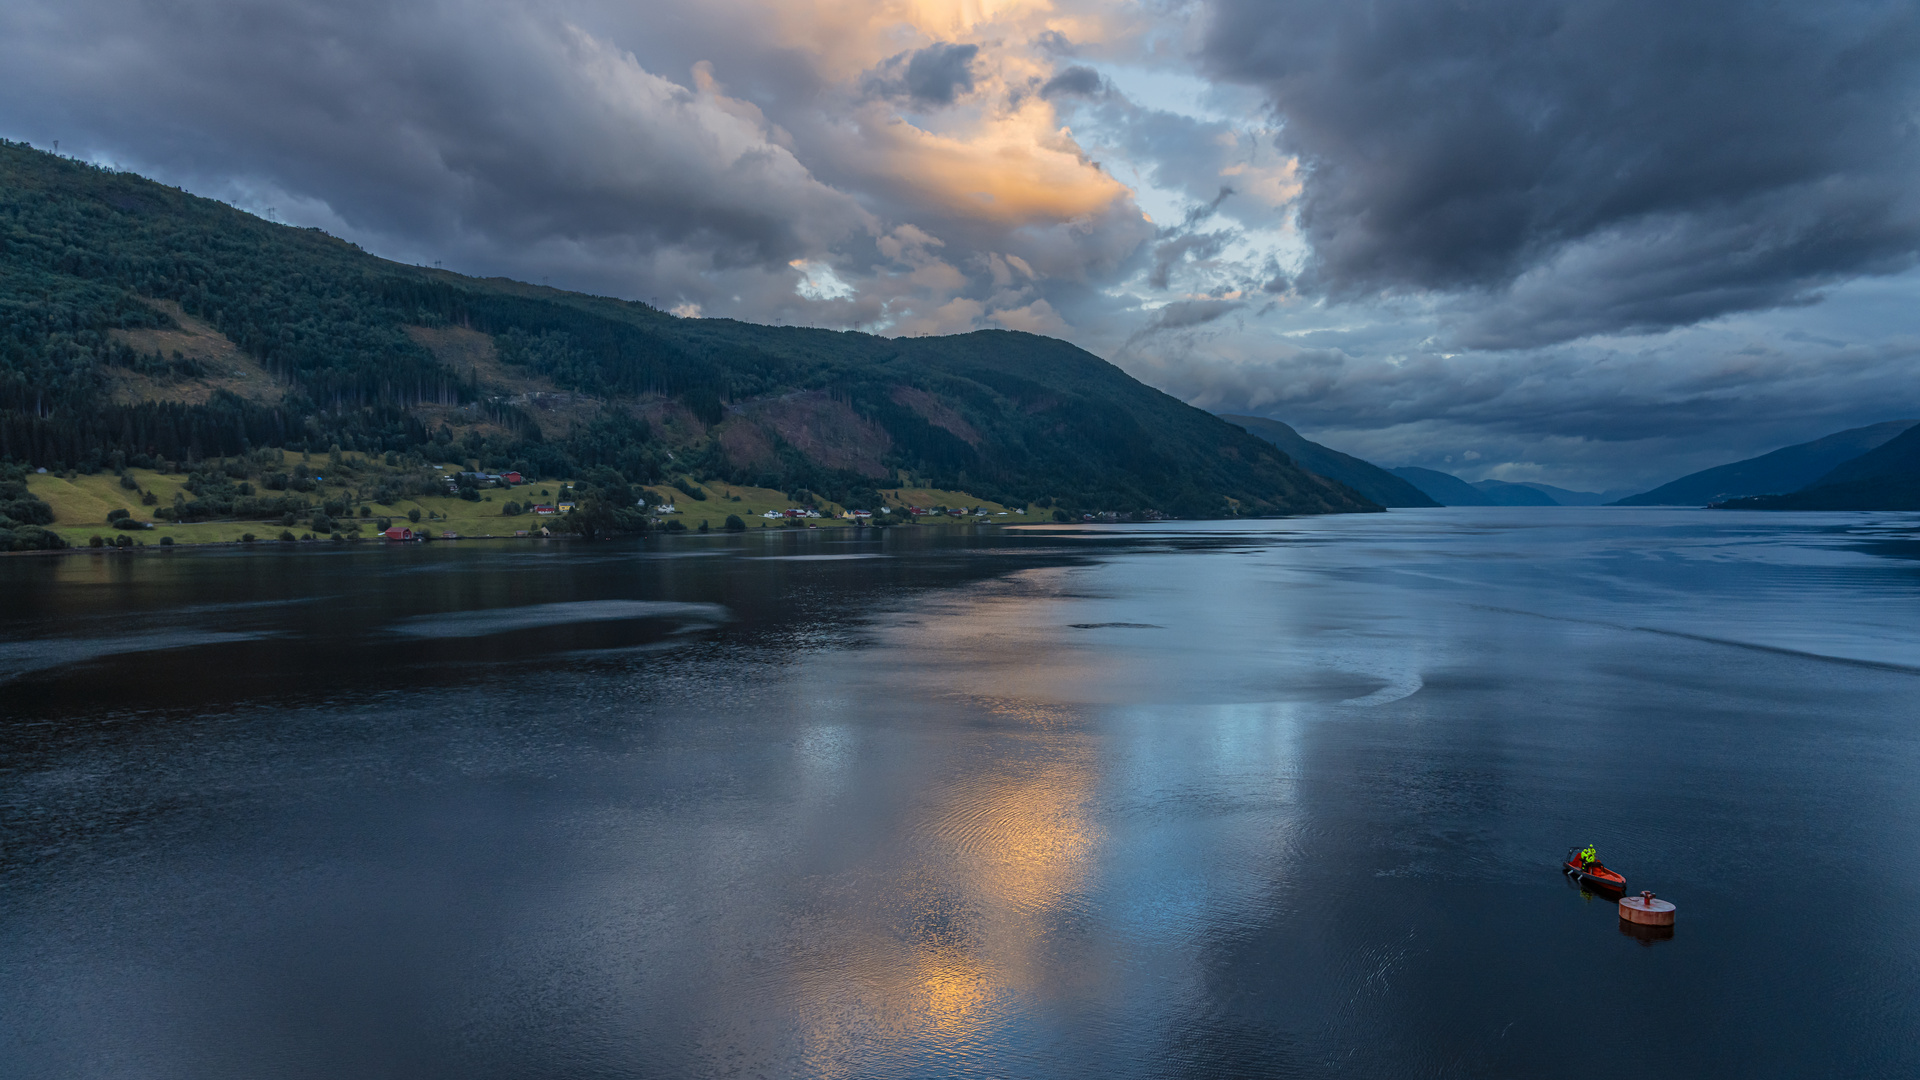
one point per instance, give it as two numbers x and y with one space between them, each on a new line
1274 799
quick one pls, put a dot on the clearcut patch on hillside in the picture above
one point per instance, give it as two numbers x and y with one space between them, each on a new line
472 354
226 367
827 430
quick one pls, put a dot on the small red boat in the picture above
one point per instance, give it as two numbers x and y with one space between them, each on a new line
1593 874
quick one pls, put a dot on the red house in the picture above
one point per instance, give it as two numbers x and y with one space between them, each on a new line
511 478
398 532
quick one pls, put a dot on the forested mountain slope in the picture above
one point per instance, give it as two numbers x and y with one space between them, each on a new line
1884 478
1789 468
138 319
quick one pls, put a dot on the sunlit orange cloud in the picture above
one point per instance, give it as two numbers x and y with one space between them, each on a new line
1011 169
1001 158
1275 182
847 37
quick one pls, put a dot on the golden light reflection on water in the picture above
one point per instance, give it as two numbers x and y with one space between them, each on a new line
1019 840
996 852
952 990
992 900
1006 850
967 928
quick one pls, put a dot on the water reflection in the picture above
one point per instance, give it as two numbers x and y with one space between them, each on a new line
1645 935
1275 799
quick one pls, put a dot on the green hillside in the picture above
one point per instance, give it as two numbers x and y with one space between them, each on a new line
137 320
1364 477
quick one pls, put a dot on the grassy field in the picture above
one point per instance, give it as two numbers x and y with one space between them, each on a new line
928 498
723 499
80 508
751 502
81 504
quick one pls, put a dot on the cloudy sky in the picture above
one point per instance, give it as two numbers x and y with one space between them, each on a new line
1595 243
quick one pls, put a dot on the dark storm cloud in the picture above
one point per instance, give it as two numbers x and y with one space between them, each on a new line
489 131
1182 314
940 72
1600 413
1083 81
1170 254
1570 167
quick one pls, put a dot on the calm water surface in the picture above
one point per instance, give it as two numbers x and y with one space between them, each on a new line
1273 799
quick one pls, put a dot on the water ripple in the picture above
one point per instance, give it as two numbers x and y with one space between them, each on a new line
456 624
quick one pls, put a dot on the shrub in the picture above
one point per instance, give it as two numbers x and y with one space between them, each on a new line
129 523
383 524
123 542
29 538
676 525
322 523
1061 515
413 515
116 515
166 541
149 499
245 538
286 537
97 541
734 524
686 487
703 526
512 509
127 481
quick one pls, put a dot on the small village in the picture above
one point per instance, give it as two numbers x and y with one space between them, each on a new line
352 497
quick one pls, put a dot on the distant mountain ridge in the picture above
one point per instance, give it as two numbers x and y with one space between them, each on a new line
1364 477
1884 478
1505 494
1787 469
1444 488
1568 497
1450 490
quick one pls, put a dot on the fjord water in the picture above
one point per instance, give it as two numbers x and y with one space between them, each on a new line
1239 799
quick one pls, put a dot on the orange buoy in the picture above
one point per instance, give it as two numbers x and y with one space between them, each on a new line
1647 911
